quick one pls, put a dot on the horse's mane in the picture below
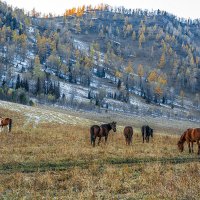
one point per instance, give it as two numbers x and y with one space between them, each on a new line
106 125
182 138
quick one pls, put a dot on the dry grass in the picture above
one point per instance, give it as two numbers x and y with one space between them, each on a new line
56 161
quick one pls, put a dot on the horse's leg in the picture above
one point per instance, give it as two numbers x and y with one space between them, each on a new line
146 138
106 137
99 140
192 147
198 147
129 140
189 146
93 141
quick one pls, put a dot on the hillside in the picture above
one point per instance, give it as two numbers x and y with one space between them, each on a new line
102 59
25 117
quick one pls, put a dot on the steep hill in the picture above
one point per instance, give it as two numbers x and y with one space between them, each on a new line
132 61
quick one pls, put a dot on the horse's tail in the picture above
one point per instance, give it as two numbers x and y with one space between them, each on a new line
10 125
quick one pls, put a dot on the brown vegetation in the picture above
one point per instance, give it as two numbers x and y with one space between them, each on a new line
55 160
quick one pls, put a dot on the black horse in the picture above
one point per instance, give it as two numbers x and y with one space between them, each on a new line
101 131
146 132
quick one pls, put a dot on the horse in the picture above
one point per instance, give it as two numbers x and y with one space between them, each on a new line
146 132
6 122
101 131
128 134
191 135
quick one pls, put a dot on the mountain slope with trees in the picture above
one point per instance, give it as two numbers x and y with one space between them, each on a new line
101 57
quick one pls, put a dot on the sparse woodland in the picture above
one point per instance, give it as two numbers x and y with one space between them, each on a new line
153 55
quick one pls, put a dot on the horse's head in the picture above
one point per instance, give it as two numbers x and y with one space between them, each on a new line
113 126
180 146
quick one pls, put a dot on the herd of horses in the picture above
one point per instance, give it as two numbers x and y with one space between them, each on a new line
104 129
190 136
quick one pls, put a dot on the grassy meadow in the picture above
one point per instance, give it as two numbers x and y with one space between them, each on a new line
57 161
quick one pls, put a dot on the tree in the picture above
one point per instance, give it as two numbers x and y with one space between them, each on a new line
197 100
38 90
141 39
42 47
140 74
118 74
182 94
101 34
152 76
158 92
128 73
133 35
129 68
57 91
54 62
18 82
78 27
162 61
37 69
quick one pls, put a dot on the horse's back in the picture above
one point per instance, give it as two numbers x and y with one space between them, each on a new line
192 134
94 128
196 133
128 130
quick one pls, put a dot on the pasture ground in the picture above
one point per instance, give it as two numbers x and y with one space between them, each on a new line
56 161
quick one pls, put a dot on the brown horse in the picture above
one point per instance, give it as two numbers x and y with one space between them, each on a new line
101 131
191 135
6 122
128 134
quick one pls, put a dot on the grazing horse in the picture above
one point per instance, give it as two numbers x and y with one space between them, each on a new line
191 135
6 122
146 132
101 131
128 134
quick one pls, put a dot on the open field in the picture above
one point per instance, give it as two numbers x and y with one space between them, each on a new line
54 160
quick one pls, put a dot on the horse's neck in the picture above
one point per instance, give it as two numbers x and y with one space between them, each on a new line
183 139
108 126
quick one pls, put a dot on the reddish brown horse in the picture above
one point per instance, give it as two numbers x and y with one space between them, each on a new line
191 135
6 122
128 134
101 131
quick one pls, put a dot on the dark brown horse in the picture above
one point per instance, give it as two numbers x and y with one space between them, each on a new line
128 134
191 135
146 132
6 122
101 131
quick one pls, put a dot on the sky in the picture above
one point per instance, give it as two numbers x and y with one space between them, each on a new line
181 8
